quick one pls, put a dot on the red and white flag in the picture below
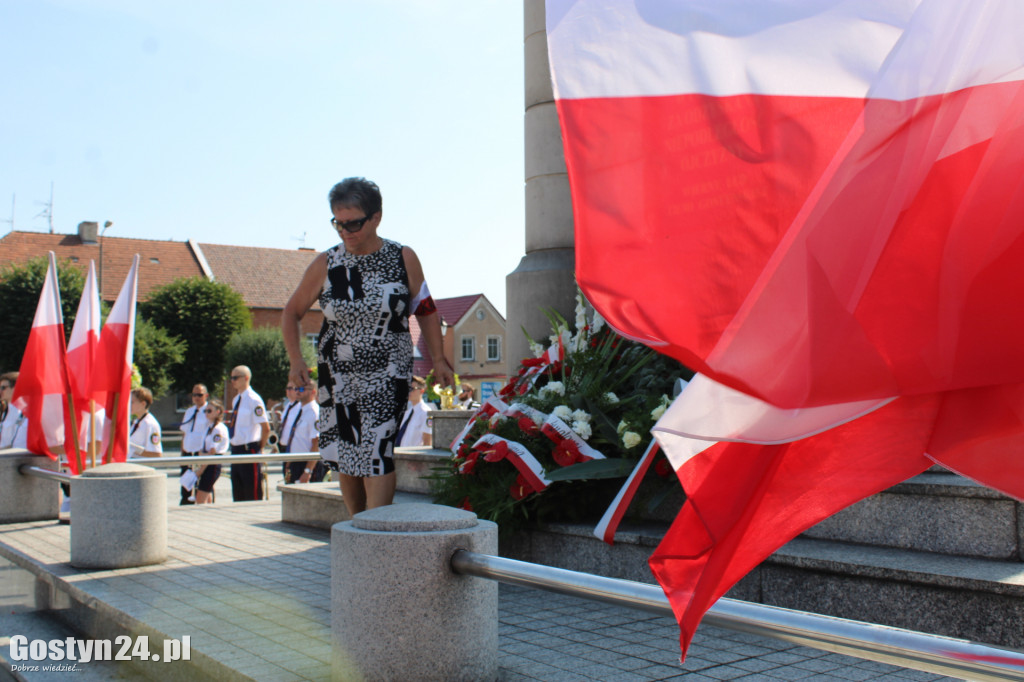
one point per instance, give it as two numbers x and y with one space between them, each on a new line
816 205
85 336
42 386
112 368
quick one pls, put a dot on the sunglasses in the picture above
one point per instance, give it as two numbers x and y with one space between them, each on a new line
198 395
236 378
350 225
209 410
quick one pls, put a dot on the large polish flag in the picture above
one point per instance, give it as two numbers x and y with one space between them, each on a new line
817 204
82 347
112 368
42 387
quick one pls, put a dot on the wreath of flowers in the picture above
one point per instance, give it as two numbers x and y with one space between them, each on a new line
556 441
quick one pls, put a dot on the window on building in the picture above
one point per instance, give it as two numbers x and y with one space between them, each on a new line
493 349
313 340
468 348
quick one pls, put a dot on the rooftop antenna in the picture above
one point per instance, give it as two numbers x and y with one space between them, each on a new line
301 239
47 211
11 221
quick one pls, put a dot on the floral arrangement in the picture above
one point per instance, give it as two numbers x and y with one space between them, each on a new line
556 442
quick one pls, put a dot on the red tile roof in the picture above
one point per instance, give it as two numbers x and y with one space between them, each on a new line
160 262
453 309
265 278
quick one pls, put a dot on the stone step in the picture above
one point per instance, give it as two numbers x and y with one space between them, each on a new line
26 611
967 597
936 512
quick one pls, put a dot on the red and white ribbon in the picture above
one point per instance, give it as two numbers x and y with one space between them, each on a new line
491 406
558 431
609 523
496 448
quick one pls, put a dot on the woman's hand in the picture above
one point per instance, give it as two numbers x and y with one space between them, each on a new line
443 373
299 373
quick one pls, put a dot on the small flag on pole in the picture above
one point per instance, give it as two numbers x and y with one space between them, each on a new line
112 368
43 377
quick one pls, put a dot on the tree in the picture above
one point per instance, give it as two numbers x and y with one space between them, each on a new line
20 286
204 315
262 351
157 355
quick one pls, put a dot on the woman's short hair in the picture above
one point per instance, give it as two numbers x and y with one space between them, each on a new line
144 394
9 377
352 192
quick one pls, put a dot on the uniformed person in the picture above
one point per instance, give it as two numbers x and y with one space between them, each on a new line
249 429
144 436
193 430
304 437
291 411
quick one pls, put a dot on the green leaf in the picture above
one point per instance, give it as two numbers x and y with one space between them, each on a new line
594 469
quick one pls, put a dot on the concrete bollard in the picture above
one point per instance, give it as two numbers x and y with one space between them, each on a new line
27 498
119 517
398 611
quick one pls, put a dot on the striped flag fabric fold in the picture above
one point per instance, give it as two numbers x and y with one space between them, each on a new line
81 351
818 207
43 384
112 368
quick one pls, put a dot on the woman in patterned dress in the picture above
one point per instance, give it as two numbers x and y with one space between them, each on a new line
366 287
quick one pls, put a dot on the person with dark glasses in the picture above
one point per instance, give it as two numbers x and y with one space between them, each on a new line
367 287
215 442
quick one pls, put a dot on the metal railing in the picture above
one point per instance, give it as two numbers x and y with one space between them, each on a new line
170 462
905 648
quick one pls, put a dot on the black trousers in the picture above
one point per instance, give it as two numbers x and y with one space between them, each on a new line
246 479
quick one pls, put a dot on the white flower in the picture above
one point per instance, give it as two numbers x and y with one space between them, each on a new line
597 323
582 428
562 412
657 412
611 398
622 426
536 349
581 310
553 387
631 439
581 416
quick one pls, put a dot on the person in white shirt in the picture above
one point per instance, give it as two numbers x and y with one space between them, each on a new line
465 399
13 424
290 411
144 436
193 431
415 428
249 429
215 442
303 437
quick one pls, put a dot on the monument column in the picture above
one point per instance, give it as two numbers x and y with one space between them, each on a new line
545 277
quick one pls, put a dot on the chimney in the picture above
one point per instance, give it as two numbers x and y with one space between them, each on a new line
87 232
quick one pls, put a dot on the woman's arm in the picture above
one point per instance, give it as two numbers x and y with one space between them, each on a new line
430 323
300 302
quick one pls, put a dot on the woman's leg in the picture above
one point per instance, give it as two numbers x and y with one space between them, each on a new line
380 490
203 497
352 493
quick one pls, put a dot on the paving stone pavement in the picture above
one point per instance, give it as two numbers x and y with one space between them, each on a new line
253 594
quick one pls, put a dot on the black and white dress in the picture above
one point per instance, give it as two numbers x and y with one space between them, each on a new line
364 360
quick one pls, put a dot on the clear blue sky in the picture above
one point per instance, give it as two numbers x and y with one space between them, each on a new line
228 122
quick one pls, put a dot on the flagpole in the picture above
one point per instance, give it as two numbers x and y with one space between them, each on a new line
109 456
92 433
74 432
